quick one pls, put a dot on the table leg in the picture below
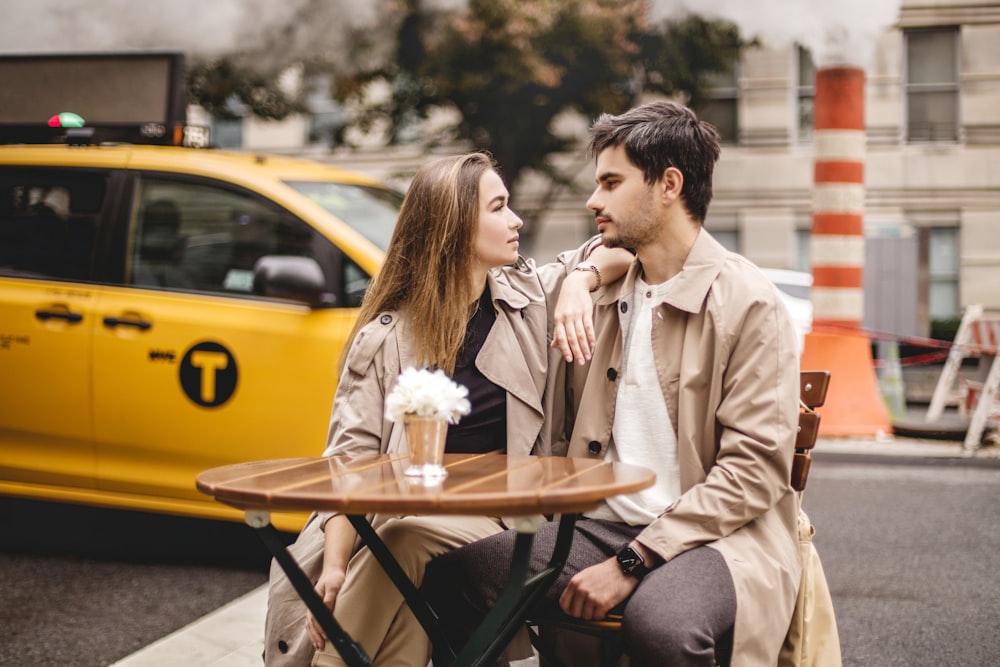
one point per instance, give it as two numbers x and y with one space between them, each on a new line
416 601
352 652
519 593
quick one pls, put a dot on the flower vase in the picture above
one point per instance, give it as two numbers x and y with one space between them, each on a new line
425 437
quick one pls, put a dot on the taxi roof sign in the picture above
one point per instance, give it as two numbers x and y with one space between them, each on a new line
133 97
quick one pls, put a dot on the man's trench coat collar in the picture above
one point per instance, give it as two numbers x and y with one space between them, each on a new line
701 267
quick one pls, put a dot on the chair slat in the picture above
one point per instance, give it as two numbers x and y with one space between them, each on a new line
800 470
813 386
808 430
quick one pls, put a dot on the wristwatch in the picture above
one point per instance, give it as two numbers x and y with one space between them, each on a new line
632 563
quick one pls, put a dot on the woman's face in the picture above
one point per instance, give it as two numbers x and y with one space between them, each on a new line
496 237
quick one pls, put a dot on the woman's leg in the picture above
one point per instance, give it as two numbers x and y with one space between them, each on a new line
374 612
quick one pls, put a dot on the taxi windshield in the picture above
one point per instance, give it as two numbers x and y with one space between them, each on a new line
370 210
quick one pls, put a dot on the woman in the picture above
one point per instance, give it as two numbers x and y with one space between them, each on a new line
446 297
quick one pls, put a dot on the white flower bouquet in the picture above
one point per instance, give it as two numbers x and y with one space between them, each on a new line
427 393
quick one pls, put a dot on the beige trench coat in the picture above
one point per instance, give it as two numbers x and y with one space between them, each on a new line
727 363
514 356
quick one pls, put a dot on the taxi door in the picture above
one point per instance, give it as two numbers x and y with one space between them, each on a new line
191 369
46 434
49 221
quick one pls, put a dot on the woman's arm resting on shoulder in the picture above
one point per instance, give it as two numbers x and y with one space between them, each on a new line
573 317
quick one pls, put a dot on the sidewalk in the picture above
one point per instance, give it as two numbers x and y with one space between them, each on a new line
232 636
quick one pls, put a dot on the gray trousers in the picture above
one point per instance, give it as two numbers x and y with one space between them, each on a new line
681 614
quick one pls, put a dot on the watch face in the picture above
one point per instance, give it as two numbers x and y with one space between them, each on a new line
628 559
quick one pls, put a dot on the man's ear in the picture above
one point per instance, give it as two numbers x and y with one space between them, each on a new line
671 184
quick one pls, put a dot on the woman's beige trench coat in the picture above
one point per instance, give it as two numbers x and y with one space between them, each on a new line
514 357
727 364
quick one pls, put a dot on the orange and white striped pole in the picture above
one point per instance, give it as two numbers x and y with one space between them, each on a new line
854 405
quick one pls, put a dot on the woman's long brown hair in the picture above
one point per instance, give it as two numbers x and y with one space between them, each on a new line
428 265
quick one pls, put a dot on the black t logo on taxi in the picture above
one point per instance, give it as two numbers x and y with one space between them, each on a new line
209 374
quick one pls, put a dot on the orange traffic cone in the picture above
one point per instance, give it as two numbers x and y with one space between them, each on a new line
854 404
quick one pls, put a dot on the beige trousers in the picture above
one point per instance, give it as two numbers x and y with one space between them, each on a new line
372 610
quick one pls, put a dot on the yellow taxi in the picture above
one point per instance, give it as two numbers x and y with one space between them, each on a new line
164 310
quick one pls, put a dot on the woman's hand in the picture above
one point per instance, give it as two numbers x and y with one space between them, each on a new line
328 586
573 318
338 538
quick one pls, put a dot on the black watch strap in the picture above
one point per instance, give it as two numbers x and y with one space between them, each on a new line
631 562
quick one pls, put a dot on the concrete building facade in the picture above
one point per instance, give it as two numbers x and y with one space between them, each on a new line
931 174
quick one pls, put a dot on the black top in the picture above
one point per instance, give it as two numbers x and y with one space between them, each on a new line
484 429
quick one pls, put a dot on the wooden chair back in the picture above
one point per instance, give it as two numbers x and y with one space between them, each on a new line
812 393
813 386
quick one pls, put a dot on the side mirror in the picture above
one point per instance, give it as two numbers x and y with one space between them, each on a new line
292 277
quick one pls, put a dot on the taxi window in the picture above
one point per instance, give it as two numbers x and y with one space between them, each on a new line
200 237
48 221
369 210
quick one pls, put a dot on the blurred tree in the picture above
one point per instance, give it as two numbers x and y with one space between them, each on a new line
224 88
506 69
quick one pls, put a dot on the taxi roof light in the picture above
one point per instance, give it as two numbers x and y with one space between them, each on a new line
67 119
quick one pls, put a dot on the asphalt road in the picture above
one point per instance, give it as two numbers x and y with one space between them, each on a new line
911 549
86 587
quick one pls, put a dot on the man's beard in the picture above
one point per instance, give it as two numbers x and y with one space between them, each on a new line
609 240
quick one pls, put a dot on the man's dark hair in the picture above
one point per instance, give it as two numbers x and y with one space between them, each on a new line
661 135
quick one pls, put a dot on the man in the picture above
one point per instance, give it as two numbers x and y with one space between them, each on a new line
695 375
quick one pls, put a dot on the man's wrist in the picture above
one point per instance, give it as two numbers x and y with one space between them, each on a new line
631 562
651 558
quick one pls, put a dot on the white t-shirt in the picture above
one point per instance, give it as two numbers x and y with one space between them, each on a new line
642 432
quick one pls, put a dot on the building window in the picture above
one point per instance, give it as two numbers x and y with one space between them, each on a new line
227 132
803 259
720 109
728 238
943 267
326 116
805 87
932 84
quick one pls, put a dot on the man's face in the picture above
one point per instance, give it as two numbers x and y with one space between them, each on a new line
626 208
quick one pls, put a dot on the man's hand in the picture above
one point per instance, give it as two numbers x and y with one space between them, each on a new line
573 318
329 585
595 591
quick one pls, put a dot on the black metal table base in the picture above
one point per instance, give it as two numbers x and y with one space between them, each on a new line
491 637
349 649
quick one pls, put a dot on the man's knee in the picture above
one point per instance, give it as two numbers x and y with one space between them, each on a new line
467 575
669 640
683 613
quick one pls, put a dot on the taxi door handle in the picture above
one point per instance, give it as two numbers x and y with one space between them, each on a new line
112 322
46 315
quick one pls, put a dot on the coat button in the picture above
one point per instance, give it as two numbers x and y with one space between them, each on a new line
623 306
594 447
612 374
385 319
